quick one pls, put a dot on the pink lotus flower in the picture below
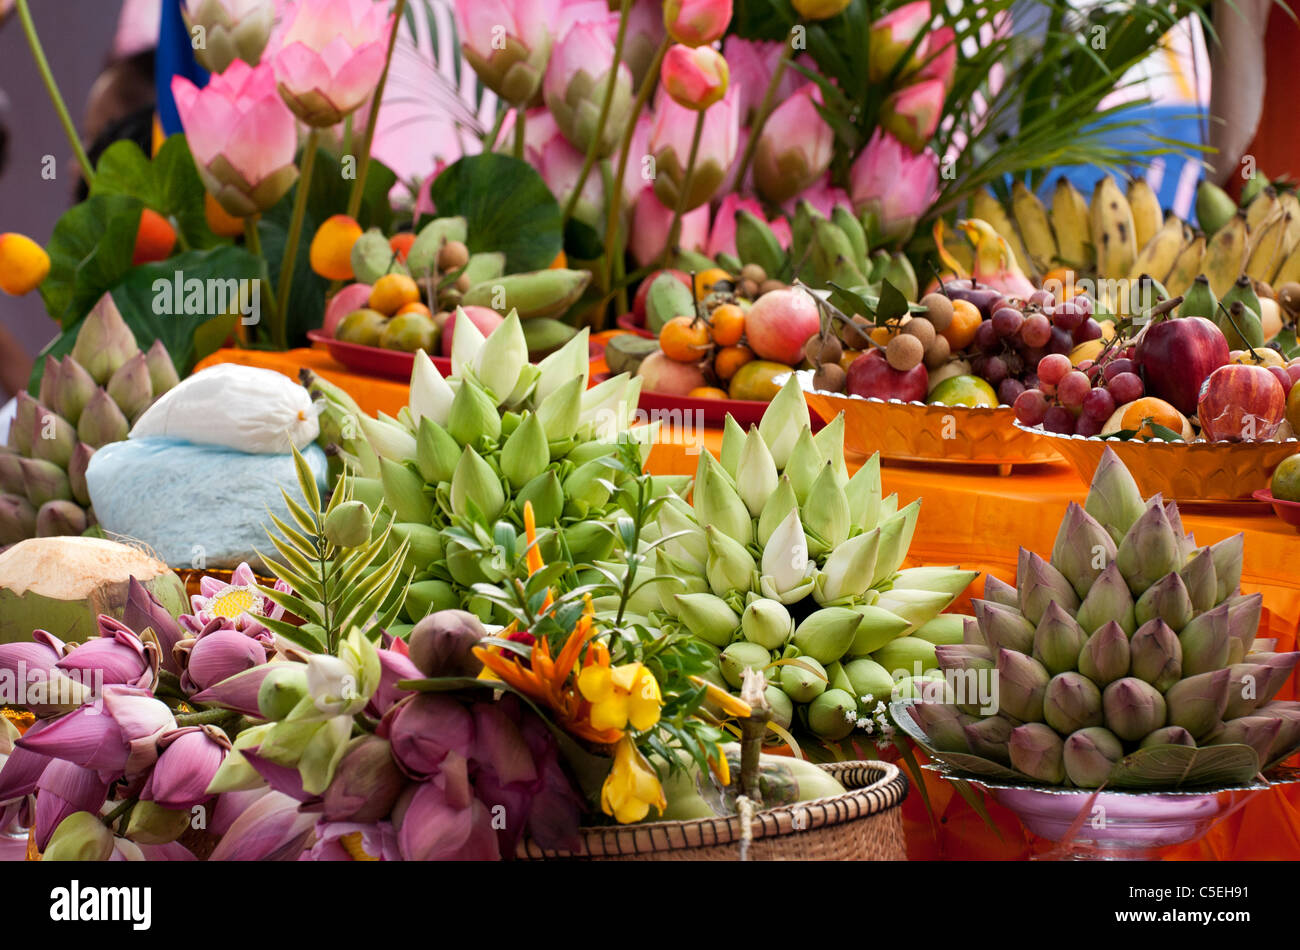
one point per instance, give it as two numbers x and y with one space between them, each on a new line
752 63
328 56
118 739
232 29
694 77
441 820
913 112
62 789
143 611
237 601
30 668
354 841
395 665
272 829
425 729
892 188
242 136
697 22
794 148
574 88
365 784
22 768
670 143
940 61
508 43
722 239
892 35
651 222
822 195
117 655
645 31
188 758
217 656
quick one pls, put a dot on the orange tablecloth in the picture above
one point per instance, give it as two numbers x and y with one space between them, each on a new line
977 519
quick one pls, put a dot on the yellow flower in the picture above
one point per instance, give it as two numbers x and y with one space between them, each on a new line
621 694
632 786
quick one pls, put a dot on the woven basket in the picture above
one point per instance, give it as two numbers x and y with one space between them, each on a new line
863 824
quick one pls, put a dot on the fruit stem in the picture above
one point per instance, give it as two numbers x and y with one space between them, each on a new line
1228 313
679 207
52 87
376 100
253 242
278 329
764 110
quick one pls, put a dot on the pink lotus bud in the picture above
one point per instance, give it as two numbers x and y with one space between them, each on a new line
940 61
219 655
645 31
366 783
508 42
117 654
118 738
697 22
891 37
394 667
794 148
670 143
575 88
912 113
328 55
442 820
22 769
271 829
425 729
694 77
143 611
32 668
188 758
892 188
238 692
651 224
499 746
62 789
751 64
722 238
242 136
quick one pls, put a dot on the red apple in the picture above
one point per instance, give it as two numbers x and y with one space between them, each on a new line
484 318
638 302
1241 403
1177 356
779 324
1284 376
870 375
972 291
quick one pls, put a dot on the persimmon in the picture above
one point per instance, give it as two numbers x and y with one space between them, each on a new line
331 247
392 292
684 339
727 324
154 238
401 245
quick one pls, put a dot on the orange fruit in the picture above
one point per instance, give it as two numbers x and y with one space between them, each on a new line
707 280
331 247
1137 414
391 293
730 359
1063 281
882 335
727 324
684 339
401 245
416 307
560 263
222 223
154 238
847 359
708 392
23 264
966 319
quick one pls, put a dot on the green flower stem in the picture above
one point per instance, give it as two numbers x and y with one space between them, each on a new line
679 208
490 140
253 241
124 809
206 717
43 66
764 110
594 145
363 166
521 128
616 279
279 330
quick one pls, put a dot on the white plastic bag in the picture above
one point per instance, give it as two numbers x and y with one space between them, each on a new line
238 407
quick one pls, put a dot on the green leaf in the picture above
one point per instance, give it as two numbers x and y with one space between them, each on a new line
1179 766
299 540
90 252
300 514
332 189
169 184
303 584
295 605
893 303
299 635
979 766
307 482
508 206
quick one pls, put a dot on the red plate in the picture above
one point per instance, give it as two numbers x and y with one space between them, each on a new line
1288 511
374 360
628 322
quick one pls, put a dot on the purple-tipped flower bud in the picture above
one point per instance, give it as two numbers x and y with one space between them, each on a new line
1040 584
1114 499
1106 655
219 655
1201 581
76 386
104 341
1258 732
1205 642
1244 611
162 371
1058 640
17 519
77 465
1197 703
1168 735
11 473
1090 755
424 729
1149 550
366 783
1288 736
49 382
944 725
441 644
60 519
1228 555
988 738
1004 628
1000 592
45 482
53 439
963 656
1168 600
1022 684
1279 666
187 761
1155 655
101 421
1072 702
144 611
1038 751
1132 708
1109 599
1246 684
130 388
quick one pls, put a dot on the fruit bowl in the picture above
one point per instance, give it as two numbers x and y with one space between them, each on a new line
1187 472
628 321
929 432
374 360
690 410
1288 511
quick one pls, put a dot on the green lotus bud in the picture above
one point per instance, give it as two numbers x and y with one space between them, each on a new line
45 482
914 606
104 341
1288 736
1040 584
870 682
130 387
473 415
895 538
910 655
864 493
943 629
1167 735
1245 689
838 678
782 709
1149 550
1038 751
526 454
20 430
283 688
785 573
776 510
1258 732
676 578
1022 684
740 656
589 541
946 580
1105 656
687 542
943 724
348 525
152 824
1279 666
1109 599
53 439
427 597
404 492
1114 499
162 371
588 451
1000 592
767 623
11 473
1205 642
1058 640
989 738
804 465
587 488
436 452
730 567
1090 756
561 411
17 519
79 837
1199 578
1072 702
60 519
708 617
503 358
47 394
1228 555
1156 656
547 496
826 513
733 443
826 634
101 422
755 473
878 627
75 388
830 443
803 679
475 482
717 503
1082 550
1004 628
783 421
1244 612
1132 708
1197 702
833 715
1168 600
77 464
848 570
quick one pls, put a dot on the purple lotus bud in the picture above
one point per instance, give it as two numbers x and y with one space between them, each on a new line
1082 550
944 725
1022 684
1106 655
1205 642
1288 737
130 388
1000 592
1279 666
366 783
117 654
77 465
1168 735
271 829
45 481
62 789
49 382
1004 628
1072 702
116 739
1155 655
144 611
101 421
425 728
1244 611
238 692
438 825
76 386
988 738
1168 600
22 769
962 656
1246 686
1040 584
188 758
60 519
162 371
53 439
1202 584
104 341
499 746
38 684
395 667
20 430
1108 599
442 642
1058 640
218 656
11 473
1132 708
1090 755
1197 702
80 837
1258 732
1038 751
17 519
1113 498
971 633
1228 555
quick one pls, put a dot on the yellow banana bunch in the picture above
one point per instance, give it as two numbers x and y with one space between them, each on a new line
1031 216
1147 214
987 208
1225 254
1268 246
1161 250
1113 232
1186 266
1071 226
1261 208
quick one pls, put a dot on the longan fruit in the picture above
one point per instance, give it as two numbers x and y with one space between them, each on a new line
904 352
938 310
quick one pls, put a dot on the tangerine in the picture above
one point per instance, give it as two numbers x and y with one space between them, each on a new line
727 324
416 307
708 392
221 222
730 359
392 292
331 247
23 264
1140 413
966 319
401 245
706 281
154 238
684 339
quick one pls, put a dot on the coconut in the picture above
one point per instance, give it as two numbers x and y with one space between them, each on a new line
63 584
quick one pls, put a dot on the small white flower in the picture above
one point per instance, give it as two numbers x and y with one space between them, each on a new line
851 715
866 700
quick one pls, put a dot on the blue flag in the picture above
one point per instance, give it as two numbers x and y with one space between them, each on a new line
175 58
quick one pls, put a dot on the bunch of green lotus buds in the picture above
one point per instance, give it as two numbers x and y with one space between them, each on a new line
87 399
469 450
1129 658
785 563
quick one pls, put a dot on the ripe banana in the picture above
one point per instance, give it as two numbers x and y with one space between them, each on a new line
1268 247
1161 250
1186 266
1290 269
1071 226
1112 230
1147 215
1225 254
1031 216
543 293
988 208
1261 209
1291 205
